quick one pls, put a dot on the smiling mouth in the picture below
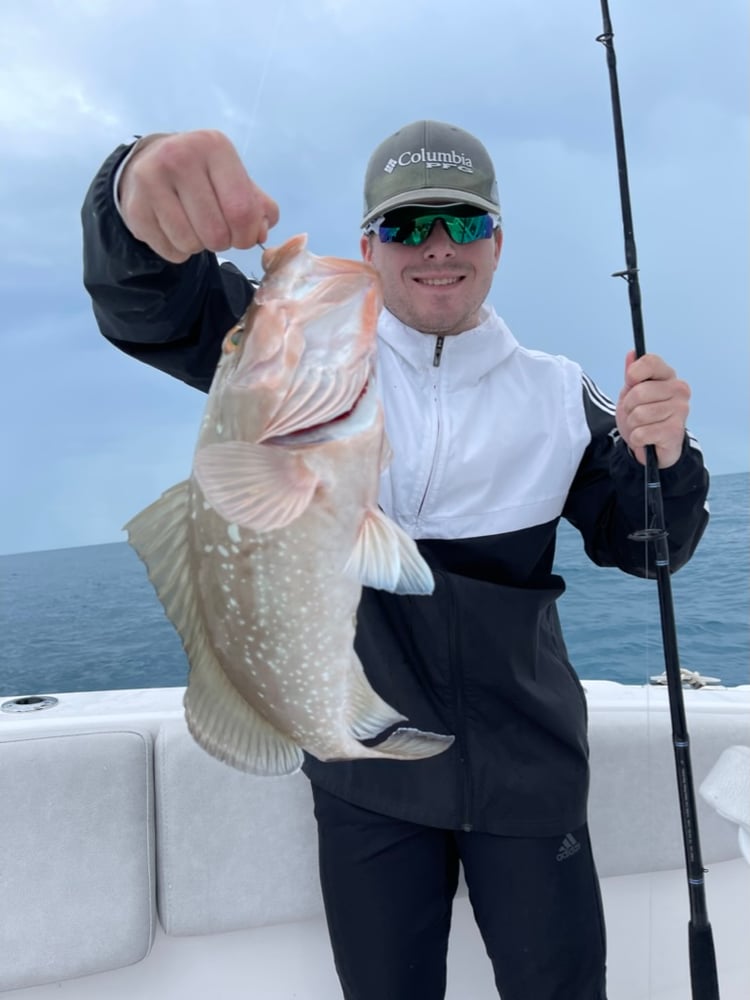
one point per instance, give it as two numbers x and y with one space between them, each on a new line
439 282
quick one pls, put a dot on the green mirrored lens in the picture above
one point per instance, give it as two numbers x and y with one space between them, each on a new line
461 229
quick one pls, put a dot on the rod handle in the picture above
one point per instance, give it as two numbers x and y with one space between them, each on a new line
703 976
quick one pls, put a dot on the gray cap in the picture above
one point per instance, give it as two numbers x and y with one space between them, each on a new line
429 162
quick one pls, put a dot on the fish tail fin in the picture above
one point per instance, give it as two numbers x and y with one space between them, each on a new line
411 744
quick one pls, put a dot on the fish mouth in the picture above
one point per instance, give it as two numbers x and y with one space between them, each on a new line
339 426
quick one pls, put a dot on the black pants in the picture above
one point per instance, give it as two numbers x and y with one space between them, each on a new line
388 888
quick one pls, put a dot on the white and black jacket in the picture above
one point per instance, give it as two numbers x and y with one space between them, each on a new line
492 444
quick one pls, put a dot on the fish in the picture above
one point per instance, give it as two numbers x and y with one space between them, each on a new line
259 557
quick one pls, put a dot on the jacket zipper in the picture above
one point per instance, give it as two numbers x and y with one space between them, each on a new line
438 352
435 364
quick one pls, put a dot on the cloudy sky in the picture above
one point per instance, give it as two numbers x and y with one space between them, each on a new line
306 90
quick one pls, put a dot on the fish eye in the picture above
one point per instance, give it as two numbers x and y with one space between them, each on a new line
232 339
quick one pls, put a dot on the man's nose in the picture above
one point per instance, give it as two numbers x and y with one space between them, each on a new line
439 243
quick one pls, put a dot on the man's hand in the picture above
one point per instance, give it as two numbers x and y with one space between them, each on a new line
188 191
653 408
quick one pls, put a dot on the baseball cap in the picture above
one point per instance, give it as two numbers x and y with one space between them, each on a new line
428 162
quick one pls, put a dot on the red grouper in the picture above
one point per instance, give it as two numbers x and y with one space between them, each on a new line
259 557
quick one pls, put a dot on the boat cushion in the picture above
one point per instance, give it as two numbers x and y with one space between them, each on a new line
634 808
76 837
235 850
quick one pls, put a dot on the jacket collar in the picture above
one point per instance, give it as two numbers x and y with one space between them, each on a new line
465 357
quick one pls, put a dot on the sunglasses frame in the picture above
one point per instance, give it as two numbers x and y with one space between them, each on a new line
476 226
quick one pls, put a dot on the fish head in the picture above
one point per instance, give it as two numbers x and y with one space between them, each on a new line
304 354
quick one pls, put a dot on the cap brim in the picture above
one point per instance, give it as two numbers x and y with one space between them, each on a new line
424 196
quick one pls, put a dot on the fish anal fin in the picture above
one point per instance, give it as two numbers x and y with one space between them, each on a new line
227 726
257 486
386 558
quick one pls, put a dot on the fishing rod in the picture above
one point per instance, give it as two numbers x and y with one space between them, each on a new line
703 972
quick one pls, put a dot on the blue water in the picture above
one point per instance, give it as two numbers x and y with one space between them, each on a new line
86 618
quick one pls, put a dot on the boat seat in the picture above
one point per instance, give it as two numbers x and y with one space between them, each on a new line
634 812
98 828
77 849
235 850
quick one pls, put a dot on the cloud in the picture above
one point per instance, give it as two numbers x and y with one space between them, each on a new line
48 104
305 91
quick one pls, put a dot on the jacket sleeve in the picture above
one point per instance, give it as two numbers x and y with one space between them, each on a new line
172 316
607 502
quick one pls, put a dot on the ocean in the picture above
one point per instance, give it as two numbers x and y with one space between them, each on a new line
86 618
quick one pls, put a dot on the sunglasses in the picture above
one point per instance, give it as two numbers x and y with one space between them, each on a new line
412 230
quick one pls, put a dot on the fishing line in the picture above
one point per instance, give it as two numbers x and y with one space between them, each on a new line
703 971
270 52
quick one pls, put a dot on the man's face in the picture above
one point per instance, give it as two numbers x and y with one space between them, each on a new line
439 286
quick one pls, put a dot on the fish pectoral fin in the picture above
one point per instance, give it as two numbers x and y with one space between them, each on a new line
315 399
257 486
386 558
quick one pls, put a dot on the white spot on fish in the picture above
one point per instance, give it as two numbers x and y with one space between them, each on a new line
208 548
220 428
234 532
222 551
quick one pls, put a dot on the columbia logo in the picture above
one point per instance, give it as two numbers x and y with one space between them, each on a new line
390 166
568 848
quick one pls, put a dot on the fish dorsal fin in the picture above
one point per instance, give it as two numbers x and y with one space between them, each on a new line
257 486
386 558
160 536
219 718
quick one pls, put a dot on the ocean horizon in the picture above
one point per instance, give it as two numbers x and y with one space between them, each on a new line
86 618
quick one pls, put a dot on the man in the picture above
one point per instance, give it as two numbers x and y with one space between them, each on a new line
492 444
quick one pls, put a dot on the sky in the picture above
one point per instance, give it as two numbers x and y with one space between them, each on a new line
305 91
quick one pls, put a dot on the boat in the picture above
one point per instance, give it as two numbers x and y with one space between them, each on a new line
136 866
